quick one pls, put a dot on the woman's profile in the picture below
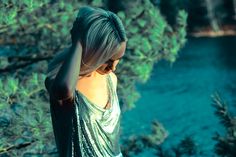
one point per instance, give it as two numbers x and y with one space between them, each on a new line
81 83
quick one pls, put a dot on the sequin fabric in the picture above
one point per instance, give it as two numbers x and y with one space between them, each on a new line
95 130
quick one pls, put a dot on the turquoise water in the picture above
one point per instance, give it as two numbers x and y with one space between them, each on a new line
179 96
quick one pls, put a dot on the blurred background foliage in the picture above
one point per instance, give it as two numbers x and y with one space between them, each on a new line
202 14
33 31
42 29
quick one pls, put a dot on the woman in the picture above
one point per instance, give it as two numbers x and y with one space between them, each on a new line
81 84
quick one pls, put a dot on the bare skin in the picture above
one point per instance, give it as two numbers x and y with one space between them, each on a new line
97 81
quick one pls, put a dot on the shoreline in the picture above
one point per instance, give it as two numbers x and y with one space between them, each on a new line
229 30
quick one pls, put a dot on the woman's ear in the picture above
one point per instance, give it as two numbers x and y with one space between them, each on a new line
106 67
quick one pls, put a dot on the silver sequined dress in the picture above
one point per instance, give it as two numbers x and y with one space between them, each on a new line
96 130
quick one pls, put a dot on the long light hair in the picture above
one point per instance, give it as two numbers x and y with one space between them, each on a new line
100 33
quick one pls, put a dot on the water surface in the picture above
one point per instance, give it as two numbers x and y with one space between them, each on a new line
179 96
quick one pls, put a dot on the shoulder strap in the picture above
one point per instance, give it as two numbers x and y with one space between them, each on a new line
110 82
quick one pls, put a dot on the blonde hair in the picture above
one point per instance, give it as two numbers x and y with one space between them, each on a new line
100 33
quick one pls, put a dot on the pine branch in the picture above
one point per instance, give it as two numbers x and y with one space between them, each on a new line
226 145
19 146
222 111
27 60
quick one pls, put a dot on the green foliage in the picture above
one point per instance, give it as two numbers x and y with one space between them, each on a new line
135 144
174 6
226 145
187 147
25 116
37 23
150 39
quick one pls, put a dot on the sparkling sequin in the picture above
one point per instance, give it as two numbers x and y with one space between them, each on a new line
96 130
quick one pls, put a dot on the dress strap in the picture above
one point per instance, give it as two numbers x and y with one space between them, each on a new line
110 83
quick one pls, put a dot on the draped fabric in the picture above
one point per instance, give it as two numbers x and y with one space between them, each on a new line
92 130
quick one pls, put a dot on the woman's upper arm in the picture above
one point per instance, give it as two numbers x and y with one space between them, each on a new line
62 86
65 101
